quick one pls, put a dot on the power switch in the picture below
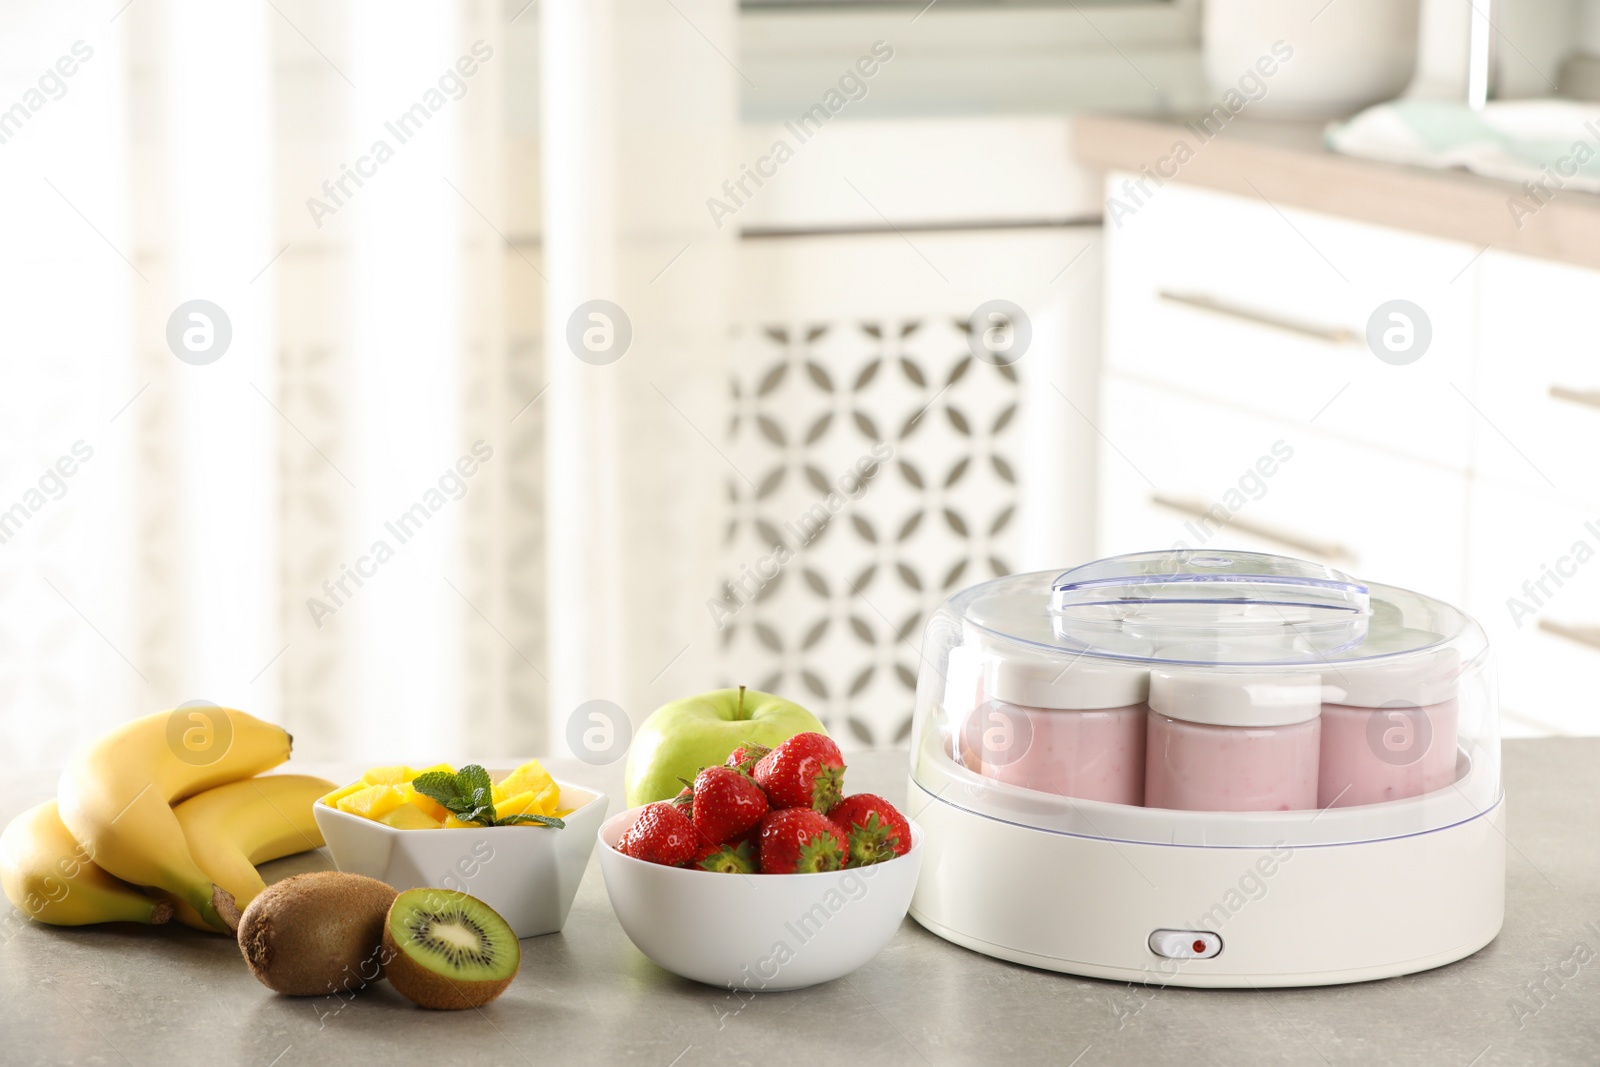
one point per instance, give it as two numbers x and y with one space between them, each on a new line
1185 944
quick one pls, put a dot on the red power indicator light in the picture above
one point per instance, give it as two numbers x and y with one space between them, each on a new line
1199 947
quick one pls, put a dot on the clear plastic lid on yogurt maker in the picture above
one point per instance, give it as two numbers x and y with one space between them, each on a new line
1232 655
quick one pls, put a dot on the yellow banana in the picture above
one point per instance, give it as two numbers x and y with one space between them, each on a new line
116 796
233 827
48 876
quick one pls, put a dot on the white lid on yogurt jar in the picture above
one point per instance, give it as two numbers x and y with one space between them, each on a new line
1083 683
1236 698
1420 679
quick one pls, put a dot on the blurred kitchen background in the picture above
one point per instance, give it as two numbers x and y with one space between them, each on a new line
523 344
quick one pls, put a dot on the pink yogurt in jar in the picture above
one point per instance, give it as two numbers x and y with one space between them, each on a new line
1075 729
1232 741
1389 729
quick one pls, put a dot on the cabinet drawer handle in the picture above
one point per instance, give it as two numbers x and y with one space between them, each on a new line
1199 510
1583 635
1586 397
1333 335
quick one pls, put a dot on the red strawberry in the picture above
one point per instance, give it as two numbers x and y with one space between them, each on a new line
746 756
726 804
730 857
875 830
800 841
805 771
684 801
661 834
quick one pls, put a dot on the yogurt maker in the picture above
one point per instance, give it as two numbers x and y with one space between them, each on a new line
1225 769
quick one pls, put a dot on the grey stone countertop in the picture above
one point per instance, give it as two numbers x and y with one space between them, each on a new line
169 996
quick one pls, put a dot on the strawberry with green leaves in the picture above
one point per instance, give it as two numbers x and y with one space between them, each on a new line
684 801
730 857
746 756
874 829
801 841
725 804
806 771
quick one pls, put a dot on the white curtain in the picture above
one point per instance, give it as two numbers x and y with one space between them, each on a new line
70 391
337 523
640 117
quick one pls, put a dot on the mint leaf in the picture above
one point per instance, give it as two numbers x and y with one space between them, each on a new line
478 790
537 820
482 814
472 779
438 785
469 796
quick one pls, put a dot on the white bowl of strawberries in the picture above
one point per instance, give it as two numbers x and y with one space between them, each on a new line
820 883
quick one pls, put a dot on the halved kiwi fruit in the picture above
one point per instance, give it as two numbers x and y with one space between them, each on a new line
448 950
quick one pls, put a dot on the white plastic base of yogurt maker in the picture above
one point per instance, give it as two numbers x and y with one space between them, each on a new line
1286 916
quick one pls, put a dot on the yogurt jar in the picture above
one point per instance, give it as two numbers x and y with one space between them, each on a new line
963 693
1389 729
1232 740
1075 728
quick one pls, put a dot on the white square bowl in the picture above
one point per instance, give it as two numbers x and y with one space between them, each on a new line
528 874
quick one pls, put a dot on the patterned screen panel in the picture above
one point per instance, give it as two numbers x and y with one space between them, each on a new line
877 473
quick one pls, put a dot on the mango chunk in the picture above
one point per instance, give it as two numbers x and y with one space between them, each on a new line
425 804
396 775
453 823
549 799
373 802
540 803
333 798
409 817
521 804
531 777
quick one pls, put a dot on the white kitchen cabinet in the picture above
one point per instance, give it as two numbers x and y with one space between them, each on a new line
1236 300
1532 582
1540 376
1535 587
1231 325
1184 471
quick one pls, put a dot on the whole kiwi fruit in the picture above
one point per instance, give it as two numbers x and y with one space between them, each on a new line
315 934
445 949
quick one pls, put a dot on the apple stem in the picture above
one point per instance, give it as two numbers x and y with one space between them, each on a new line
738 711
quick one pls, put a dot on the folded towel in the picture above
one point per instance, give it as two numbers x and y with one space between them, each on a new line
1552 144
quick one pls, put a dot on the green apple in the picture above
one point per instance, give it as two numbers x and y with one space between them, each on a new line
700 731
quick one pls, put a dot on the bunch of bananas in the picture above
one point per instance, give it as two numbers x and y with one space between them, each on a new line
163 816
